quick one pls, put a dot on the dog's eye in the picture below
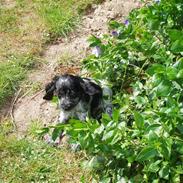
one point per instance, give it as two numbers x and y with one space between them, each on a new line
60 93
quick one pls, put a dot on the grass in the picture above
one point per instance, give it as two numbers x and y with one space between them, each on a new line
31 160
11 73
62 16
25 27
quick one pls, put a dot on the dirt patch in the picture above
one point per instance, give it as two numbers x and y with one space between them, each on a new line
33 107
8 3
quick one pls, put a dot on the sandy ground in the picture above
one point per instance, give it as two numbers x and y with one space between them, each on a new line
74 48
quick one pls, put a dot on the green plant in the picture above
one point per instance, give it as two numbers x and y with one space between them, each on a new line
142 59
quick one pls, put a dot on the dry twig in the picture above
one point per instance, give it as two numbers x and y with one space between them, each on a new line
12 109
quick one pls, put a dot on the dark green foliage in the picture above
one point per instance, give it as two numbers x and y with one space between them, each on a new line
143 141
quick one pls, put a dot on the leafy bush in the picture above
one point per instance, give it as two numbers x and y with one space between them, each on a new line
142 59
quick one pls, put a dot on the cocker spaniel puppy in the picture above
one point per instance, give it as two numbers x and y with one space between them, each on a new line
79 97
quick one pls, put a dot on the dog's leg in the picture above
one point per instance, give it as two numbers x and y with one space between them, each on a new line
82 116
63 119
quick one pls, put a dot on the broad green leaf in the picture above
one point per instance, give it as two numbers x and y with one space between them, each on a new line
154 167
42 131
156 68
55 99
114 24
179 147
105 180
147 153
175 34
164 172
152 136
100 129
140 100
164 88
165 147
116 115
94 41
177 46
96 162
56 133
153 127
180 74
171 73
139 120
180 128
108 135
154 24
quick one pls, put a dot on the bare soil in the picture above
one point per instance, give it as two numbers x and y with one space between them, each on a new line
64 57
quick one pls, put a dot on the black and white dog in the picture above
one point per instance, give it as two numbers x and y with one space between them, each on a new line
79 97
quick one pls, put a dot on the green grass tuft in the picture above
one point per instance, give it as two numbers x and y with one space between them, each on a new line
11 73
60 16
31 160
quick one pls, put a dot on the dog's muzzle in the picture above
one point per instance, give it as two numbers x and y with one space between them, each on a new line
66 107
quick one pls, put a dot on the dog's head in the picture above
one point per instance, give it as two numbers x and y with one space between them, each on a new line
70 90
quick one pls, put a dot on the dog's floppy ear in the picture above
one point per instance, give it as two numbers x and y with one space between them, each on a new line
50 88
91 88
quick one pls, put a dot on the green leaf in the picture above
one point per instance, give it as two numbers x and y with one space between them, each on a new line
175 34
154 24
164 88
180 74
108 135
171 73
42 131
179 147
153 127
154 167
139 120
55 99
94 41
156 68
96 162
152 136
164 172
140 100
114 24
56 133
177 46
100 129
116 115
147 153
166 147
180 128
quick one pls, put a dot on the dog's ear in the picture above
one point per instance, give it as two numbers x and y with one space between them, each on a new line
91 88
50 88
